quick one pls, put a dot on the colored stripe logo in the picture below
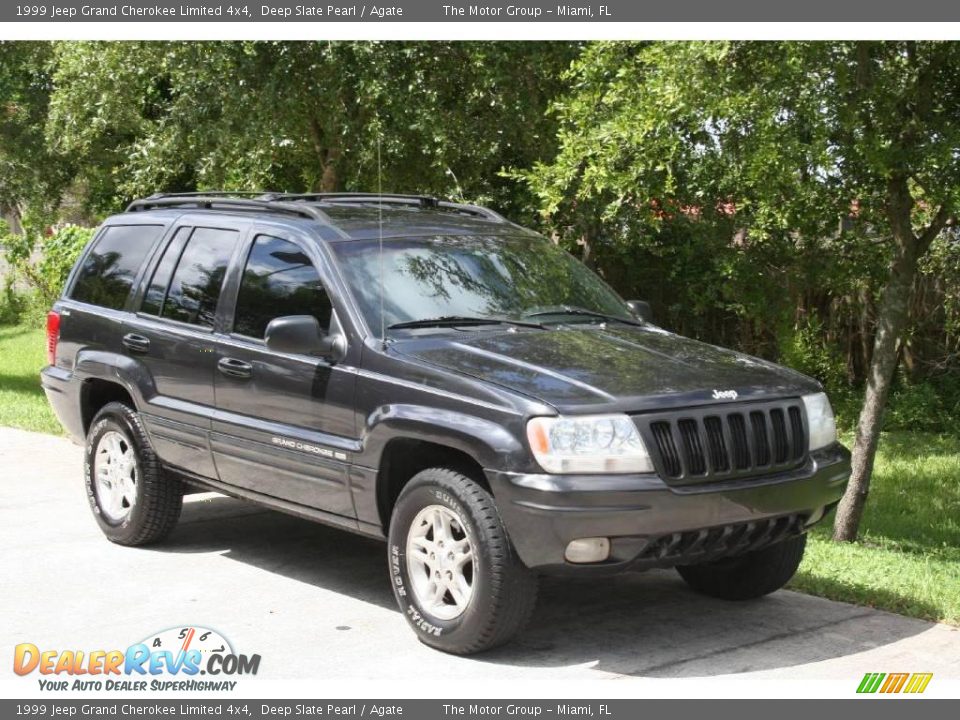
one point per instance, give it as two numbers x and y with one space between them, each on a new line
894 683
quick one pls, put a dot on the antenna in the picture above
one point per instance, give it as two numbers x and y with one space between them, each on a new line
383 322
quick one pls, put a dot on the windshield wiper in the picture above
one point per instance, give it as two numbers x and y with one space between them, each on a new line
462 320
567 310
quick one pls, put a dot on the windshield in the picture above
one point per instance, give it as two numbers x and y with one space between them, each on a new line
515 277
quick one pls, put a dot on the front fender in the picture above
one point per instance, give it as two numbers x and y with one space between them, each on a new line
491 444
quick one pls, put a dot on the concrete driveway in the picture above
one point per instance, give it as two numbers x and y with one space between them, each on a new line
270 583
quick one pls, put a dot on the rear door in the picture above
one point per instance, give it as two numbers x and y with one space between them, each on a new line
171 336
94 307
284 423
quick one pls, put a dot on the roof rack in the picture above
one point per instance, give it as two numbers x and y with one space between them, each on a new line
427 202
424 201
210 193
478 210
302 204
223 200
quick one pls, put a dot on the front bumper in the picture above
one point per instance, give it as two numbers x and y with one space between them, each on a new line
651 524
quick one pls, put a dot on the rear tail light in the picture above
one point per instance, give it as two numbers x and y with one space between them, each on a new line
53 335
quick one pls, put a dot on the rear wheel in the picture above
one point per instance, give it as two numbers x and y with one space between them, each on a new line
133 500
750 575
454 572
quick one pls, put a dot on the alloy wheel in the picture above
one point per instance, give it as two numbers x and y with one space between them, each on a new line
440 556
116 475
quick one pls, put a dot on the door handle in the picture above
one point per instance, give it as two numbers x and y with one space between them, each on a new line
136 343
235 368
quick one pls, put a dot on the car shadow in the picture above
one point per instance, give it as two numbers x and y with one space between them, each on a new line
639 624
25 384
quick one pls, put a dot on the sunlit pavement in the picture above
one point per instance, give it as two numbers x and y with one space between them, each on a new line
278 585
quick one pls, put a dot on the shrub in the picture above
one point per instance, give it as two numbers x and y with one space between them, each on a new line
930 405
13 303
847 401
44 259
806 348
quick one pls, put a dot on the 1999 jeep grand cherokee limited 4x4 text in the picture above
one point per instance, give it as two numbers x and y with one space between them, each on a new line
434 374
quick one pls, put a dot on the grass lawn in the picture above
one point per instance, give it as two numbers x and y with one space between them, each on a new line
908 557
907 560
22 402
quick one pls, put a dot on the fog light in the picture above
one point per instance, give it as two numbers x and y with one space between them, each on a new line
588 550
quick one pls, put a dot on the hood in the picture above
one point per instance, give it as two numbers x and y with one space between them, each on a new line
590 368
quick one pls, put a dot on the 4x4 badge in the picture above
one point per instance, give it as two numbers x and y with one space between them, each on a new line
725 395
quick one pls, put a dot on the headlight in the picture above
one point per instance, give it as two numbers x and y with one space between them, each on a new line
823 426
588 444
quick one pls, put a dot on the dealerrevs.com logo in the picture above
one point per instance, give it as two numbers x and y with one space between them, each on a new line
173 659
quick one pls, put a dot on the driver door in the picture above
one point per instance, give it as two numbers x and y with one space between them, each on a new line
283 422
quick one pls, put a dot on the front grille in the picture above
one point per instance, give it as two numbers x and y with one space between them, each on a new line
725 442
696 546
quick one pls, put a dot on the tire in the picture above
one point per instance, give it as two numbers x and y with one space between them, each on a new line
502 591
747 576
151 499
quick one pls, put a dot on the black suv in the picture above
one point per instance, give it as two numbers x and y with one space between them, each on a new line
433 374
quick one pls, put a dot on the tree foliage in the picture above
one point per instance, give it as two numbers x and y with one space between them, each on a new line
44 260
296 116
31 176
789 136
810 164
792 199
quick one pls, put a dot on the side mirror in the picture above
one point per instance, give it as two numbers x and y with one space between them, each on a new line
640 309
300 335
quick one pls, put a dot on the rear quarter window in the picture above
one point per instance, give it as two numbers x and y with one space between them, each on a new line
108 270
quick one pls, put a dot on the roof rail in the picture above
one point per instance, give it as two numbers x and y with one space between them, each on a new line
423 201
478 210
214 201
210 193
302 204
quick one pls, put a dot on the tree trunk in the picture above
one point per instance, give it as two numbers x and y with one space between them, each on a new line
865 346
891 319
11 214
328 158
892 316
330 180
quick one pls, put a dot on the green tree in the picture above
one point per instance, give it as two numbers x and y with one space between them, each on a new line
771 146
305 116
31 178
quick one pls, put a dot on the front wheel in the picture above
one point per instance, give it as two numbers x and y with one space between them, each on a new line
454 572
750 575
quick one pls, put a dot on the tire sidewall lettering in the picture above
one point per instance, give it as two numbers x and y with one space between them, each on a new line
503 590
396 572
399 571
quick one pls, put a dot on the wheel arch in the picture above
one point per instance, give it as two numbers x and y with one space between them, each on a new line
109 377
404 457
407 439
96 393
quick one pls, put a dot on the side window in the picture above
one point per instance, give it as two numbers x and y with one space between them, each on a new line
108 270
157 291
278 280
198 278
